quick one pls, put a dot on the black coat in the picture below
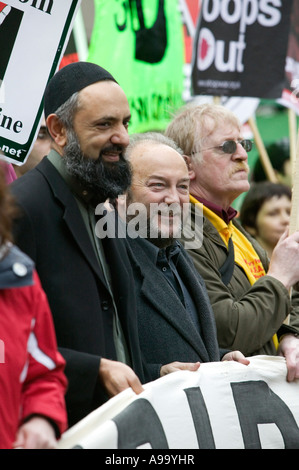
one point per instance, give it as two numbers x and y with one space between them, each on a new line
166 332
52 232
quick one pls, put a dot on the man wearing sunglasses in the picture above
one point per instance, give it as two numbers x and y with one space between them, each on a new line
249 295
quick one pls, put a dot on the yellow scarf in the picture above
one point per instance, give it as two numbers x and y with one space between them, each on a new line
245 255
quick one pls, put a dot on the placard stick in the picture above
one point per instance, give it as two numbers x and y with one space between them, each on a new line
294 218
272 177
292 137
265 160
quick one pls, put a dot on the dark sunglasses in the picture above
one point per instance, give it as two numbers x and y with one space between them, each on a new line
230 146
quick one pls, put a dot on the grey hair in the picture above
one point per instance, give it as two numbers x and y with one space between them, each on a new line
67 110
196 122
151 137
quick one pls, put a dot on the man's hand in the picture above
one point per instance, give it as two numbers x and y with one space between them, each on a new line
289 349
117 377
236 356
284 264
175 366
37 433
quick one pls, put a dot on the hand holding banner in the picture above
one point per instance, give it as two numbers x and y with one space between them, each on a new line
223 405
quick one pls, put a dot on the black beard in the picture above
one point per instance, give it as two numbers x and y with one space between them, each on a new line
102 180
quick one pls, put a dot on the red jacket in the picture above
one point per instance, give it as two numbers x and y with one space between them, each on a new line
32 380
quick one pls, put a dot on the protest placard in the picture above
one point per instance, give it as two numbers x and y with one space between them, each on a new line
33 36
240 48
141 44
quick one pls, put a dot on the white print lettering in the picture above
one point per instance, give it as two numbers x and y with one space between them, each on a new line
43 5
158 459
244 11
115 460
172 459
156 221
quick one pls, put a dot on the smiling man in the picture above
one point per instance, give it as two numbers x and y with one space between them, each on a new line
175 319
163 191
249 295
88 281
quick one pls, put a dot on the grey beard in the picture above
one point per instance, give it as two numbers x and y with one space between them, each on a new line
102 181
157 238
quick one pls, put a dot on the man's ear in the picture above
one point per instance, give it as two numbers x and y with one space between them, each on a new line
57 130
189 164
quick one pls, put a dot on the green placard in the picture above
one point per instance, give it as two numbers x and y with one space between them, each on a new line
141 44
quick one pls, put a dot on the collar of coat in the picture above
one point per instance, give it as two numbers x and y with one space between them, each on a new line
16 268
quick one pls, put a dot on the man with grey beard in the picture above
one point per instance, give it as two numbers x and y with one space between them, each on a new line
88 281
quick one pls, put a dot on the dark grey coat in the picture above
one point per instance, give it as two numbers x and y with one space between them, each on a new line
166 332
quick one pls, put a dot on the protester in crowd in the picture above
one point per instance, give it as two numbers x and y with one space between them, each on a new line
40 149
279 156
88 281
175 319
250 303
32 381
9 171
265 213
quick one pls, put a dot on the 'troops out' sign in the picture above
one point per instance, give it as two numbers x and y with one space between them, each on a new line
240 48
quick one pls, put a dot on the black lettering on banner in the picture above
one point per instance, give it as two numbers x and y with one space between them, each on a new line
200 418
257 404
40 5
139 424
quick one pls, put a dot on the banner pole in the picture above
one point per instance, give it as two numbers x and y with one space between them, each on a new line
80 37
294 217
262 151
292 136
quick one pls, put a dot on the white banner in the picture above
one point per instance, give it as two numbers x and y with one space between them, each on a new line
224 405
33 36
